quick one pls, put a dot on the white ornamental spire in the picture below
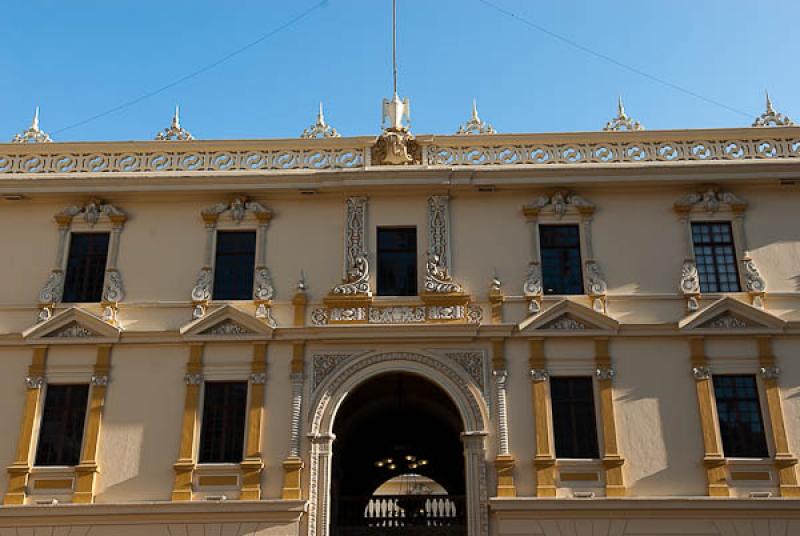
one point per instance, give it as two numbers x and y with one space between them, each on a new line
771 118
33 134
175 132
396 114
622 121
320 129
475 125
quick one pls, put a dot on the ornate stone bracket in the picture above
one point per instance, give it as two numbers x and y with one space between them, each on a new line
437 270
356 265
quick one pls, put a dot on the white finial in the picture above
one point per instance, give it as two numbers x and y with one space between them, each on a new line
475 125
771 118
175 132
301 283
622 121
32 134
320 129
396 113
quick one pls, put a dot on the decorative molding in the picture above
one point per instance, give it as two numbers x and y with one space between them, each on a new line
32 134
532 288
113 291
263 289
501 379
559 203
473 362
727 321
622 121
356 266
595 285
565 322
539 374
53 289
193 379
401 314
174 132
570 316
325 363
238 208
753 281
227 327
771 118
320 129
730 313
258 378
475 125
72 329
437 269
202 284
91 213
99 381
711 201
701 373
605 373
769 373
690 284
397 314
35 382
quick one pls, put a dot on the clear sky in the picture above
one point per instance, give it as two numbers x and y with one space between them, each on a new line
79 59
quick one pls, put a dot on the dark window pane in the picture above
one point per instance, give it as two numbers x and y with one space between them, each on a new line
560 247
574 426
86 267
234 266
222 429
739 412
715 257
397 261
61 431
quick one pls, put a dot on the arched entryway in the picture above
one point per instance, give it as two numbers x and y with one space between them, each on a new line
440 377
398 445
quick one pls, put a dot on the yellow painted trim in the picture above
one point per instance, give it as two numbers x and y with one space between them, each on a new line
785 462
52 483
292 487
299 301
544 462
218 480
751 475
298 357
19 470
185 466
504 469
252 464
612 461
578 477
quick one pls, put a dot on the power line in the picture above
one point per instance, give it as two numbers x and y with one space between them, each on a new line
611 60
198 72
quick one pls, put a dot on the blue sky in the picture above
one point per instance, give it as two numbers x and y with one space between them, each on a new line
79 59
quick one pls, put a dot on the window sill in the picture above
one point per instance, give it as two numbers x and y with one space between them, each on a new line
217 479
51 481
580 473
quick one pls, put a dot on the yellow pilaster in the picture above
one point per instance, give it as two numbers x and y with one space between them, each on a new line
86 471
496 300
544 462
293 464
19 470
252 465
299 301
504 461
612 461
785 463
184 467
713 460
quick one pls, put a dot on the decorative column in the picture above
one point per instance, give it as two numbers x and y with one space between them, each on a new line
504 461
544 462
184 467
713 460
19 470
320 487
263 289
293 464
475 457
86 471
784 461
612 461
533 288
252 465
113 291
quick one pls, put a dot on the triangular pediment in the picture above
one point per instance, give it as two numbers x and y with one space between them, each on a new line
730 314
570 317
227 323
72 326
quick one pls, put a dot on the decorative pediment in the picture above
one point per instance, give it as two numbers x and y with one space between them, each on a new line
571 317
73 326
728 314
227 323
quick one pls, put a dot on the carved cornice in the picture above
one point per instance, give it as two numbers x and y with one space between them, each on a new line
238 208
91 213
710 201
559 204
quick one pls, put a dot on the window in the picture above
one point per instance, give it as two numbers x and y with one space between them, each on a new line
61 431
561 259
235 262
222 429
574 426
397 261
715 257
739 412
86 267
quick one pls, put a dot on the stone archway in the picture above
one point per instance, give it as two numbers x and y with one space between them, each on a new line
450 377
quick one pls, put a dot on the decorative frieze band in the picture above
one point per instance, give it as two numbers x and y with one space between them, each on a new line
413 314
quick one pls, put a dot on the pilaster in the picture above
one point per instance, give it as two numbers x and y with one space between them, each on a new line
293 464
544 462
184 467
252 465
612 461
504 461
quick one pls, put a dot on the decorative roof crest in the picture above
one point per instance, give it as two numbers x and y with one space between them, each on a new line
320 129
622 121
475 125
175 132
771 118
33 134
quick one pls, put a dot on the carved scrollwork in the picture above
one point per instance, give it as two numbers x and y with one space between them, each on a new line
752 277
202 285
319 317
99 381
727 321
532 287
539 375
114 292
565 322
396 147
711 200
595 282
238 209
263 289
560 202
690 281
769 373
356 279
193 379
91 212
771 118
701 373
437 278
72 330
35 382
53 289
258 378
605 373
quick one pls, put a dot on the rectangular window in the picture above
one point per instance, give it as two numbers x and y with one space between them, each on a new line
86 267
61 431
222 428
574 425
397 261
715 256
739 412
560 247
234 265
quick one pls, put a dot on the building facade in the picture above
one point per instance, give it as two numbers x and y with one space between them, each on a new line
578 333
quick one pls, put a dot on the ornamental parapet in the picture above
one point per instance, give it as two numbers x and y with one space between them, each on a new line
666 147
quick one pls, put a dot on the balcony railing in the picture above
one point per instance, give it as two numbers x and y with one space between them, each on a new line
429 515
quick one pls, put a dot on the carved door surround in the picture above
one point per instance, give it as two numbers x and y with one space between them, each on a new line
349 373
563 206
240 213
95 215
713 204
